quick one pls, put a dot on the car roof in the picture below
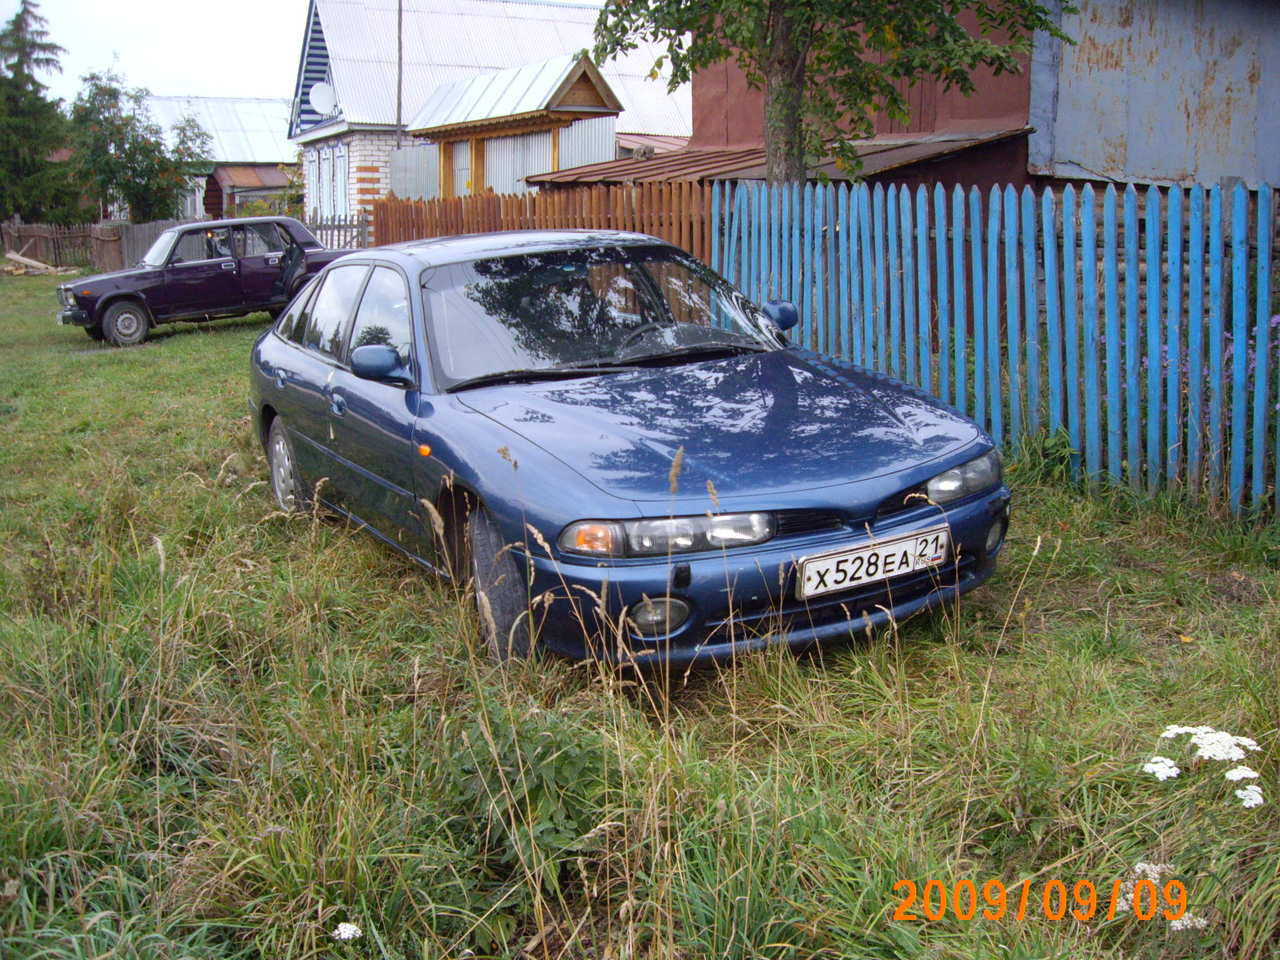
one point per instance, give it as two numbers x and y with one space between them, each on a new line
234 221
478 246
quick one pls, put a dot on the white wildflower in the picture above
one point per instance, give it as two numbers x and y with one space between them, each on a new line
1220 745
1241 773
1141 871
1250 796
1188 921
347 931
1162 768
1173 730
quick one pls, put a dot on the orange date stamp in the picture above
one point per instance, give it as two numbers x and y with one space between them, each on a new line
1051 899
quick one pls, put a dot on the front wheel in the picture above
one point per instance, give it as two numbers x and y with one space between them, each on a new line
502 600
125 323
285 483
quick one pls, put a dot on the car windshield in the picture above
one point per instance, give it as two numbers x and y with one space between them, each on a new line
158 252
591 308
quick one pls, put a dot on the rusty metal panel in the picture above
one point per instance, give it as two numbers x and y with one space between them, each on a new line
1174 91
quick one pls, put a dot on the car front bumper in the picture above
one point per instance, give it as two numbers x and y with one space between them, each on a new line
75 317
742 600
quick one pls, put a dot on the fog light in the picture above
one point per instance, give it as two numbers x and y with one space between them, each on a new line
995 536
652 618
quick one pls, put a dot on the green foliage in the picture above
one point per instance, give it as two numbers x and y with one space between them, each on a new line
32 127
122 156
828 67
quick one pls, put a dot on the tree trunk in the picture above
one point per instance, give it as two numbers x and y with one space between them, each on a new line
783 104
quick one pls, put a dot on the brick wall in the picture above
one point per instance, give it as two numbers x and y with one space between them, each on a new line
368 167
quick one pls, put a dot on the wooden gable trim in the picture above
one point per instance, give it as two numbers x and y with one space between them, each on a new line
584 85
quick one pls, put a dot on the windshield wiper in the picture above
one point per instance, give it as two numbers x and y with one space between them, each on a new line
696 349
566 372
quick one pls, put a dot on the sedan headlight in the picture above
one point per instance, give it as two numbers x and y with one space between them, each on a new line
980 473
64 296
651 538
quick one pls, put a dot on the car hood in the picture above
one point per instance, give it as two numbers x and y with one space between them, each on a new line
106 278
785 420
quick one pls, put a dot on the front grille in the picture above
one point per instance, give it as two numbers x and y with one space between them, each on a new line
903 500
793 523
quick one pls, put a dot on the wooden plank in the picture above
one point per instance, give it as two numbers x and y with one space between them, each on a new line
1013 325
847 284
979 309
1262 347
892 208
1111 299
1195 337
909 278
959 353
1089 331
1155 358
1239 341
1173 342
27 261
940 253
993 316
924 294
1052 310
1214 347
1132 339
1031 308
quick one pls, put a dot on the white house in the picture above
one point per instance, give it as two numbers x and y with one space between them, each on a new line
354 96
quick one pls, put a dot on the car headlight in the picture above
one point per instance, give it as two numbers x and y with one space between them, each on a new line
980 473
651 538
64 296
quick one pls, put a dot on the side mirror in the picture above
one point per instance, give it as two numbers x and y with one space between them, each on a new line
377 361
781 313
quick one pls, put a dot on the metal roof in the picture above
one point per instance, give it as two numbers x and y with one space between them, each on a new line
506 93
878 154
446 41
241 129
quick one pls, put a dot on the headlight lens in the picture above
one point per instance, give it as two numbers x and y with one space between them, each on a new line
980 473
64 296
650 538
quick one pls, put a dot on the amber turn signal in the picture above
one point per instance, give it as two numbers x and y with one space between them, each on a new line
424 450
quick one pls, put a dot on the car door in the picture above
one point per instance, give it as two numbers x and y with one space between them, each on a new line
201 275
317 361
374 422
260 249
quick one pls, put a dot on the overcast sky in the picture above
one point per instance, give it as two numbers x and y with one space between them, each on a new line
229 48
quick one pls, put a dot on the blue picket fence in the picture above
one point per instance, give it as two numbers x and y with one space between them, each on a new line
1146 334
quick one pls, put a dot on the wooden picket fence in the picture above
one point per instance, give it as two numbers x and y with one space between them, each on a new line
678 212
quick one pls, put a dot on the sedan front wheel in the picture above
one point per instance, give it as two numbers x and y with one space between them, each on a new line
125 323
502 601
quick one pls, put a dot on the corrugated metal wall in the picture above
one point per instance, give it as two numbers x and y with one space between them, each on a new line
415 172
587 141
508 160
1174 91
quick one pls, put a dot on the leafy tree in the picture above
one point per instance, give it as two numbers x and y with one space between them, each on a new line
828 66
32 127
121 153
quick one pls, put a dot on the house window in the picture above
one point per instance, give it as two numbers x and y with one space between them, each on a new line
462 168
341 200
325 192
312 183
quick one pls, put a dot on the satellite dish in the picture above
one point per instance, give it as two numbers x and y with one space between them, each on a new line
322 98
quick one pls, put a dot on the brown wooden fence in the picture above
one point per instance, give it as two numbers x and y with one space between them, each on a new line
54 245
678 212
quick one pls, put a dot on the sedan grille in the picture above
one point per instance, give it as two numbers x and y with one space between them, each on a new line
793 523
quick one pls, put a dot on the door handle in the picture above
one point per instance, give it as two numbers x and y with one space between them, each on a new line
337 405
228 266
272 261
282 377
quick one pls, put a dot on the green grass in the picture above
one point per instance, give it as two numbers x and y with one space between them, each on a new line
228 730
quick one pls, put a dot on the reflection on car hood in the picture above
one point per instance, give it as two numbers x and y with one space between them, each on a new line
779 421
113 275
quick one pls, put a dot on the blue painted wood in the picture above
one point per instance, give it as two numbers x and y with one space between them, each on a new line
1155 375
1031 306
1214 346
1052 307
941 255
1262 350
797 245
1089 331
1111 298
993 316
817 272
844 219
924 297
869 301
1132 339
832 274
1071 321
959 356
881 282
1195 338
979 309
908 286
1012 295
806 267
895 282
1173 341
716 264
1239 341
777 288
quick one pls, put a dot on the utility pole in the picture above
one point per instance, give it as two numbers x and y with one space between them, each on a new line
399 70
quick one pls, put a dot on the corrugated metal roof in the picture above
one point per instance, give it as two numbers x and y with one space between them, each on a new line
660 144
492 96
878 155
450 40
241 129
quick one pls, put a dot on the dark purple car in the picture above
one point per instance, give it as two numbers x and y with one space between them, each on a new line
196 272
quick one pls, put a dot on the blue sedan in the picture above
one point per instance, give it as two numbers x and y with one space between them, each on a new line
621 452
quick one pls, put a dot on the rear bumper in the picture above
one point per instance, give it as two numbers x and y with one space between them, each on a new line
75 317
746 601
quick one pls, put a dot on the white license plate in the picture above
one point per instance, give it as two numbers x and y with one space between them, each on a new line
832 572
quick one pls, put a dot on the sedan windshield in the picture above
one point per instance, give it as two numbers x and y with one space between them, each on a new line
158 252
588 309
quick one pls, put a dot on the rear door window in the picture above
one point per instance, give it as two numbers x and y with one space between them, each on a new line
332 308
293 323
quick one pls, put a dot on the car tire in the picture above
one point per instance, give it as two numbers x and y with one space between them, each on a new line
94 332
125 323
286 484
502 601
